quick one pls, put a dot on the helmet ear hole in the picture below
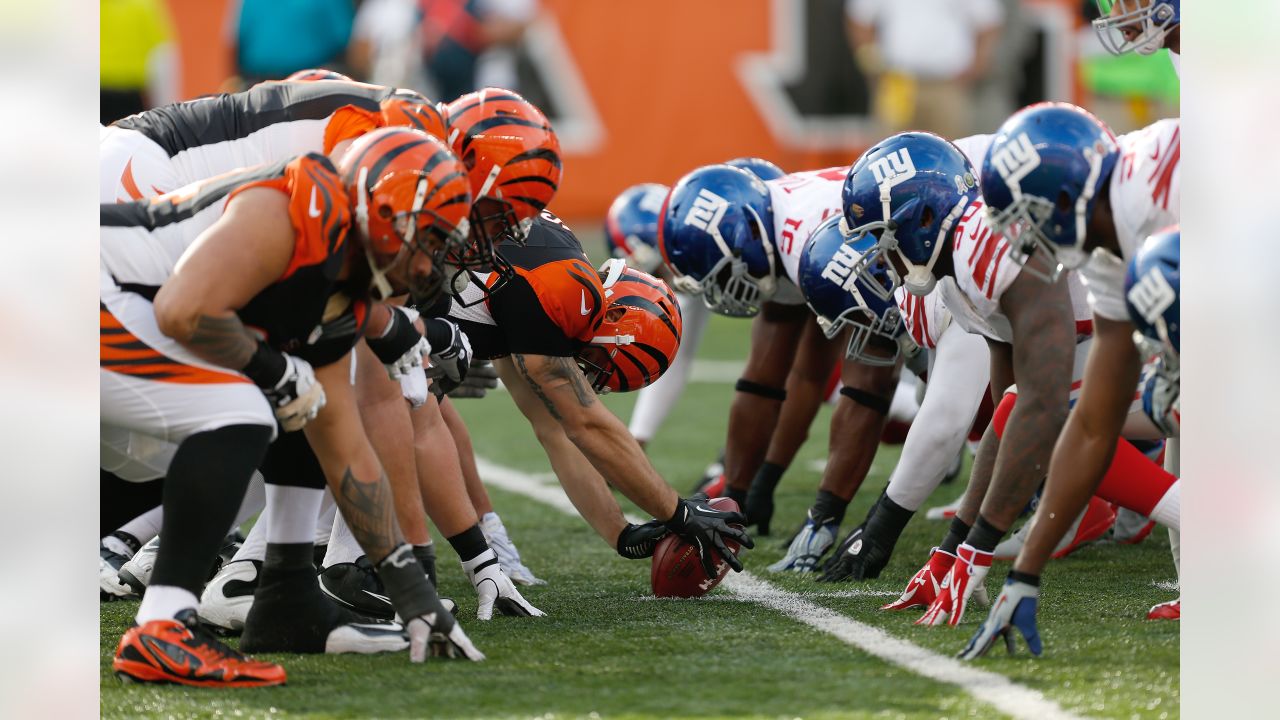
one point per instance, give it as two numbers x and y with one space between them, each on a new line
1064 201
926 217
385 212
614 313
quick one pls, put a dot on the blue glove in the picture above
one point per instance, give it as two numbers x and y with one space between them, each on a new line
1015 608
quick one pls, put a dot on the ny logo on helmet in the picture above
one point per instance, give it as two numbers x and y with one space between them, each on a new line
1152 295
1016 159
839 269
706 211
893 169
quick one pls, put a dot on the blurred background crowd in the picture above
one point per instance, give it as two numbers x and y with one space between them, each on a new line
644 91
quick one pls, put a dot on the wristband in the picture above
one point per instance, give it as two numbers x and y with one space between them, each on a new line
400 337
266 367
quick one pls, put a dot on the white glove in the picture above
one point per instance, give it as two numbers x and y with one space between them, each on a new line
451 353
425 641
495 589
296 397
414 386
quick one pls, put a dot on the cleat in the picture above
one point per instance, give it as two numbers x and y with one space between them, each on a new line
495 533
808 546
1092 524
1130 528
109 564
289 614
713 475
943 512
136 573
924 587
178 650
226 600
356 587
1171 610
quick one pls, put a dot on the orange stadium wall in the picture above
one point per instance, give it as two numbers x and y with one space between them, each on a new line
647 90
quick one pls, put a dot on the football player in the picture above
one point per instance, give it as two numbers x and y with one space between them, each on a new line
292 250
1142 26
737 240
1129 189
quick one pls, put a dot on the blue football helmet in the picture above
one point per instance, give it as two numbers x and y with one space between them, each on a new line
1131 25
1041 178
716 234
631 225
910 189
1151 291
843 299
759 167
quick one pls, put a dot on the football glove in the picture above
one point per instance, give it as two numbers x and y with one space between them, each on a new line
637 542
296 397
926 584
1015 608
495 590
480 379
450 353
705 529
1161 399
401 347
809 545
431 628
966 576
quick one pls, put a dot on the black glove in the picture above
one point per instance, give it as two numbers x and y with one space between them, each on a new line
450 353
480 379
637 542
705 529
865 551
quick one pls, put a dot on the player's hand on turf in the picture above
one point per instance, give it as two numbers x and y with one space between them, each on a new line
495 590
450 353
296 397
858 557
480 379
427 641
1015 608
637 542
705 529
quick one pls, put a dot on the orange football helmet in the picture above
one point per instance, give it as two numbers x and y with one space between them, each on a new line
640 334
406 108
311 74
409 194
512 157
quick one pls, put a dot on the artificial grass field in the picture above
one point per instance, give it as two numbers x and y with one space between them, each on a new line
608 649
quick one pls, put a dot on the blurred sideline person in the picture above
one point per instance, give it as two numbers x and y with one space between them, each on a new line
272 38
139 67
923 58
178 293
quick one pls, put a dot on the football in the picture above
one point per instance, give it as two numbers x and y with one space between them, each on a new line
677 571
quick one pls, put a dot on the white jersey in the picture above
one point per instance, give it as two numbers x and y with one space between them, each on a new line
983 272
975 147
1144 192
801 201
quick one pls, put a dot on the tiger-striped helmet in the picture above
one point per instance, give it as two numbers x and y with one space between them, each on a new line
638 339
512 157
406 108
409 193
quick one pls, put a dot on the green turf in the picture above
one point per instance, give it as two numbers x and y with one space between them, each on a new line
608 649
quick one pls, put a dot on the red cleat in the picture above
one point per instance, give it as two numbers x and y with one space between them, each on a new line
1097 519
1171 610
179 651
715 488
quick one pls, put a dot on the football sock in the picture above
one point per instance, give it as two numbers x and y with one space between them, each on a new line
122 543
146 526
984 536
958 531
1168 511
828 508
469 543
343 547
291 514
1133 481
164 601
324 521
426 555
254 546
205 484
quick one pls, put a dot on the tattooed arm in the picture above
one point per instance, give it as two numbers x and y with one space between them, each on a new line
599 434
244 251
357 480
1043 352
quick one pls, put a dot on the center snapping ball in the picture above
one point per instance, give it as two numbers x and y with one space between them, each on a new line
676 569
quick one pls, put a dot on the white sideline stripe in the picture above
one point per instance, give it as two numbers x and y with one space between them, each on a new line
994 689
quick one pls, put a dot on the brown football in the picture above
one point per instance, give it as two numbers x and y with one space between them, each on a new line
676 569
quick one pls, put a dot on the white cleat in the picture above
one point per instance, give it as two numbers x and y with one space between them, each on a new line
136 573
227 598
495 533
366 639
943 512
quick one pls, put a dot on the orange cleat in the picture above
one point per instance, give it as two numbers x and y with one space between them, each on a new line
1171 610
179 651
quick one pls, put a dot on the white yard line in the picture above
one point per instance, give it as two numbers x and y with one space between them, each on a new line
994 689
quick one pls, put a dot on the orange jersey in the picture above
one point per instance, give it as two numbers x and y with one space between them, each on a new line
308 311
